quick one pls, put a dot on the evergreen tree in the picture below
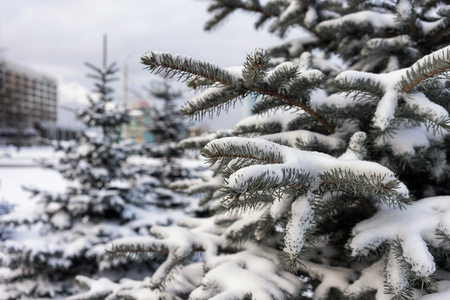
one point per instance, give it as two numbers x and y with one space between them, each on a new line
167 123
338 187
57 236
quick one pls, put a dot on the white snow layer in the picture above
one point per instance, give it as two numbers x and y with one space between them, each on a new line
299 223
391 225
313 163
376 19
258 265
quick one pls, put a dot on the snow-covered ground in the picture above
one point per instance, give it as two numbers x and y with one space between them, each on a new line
21 168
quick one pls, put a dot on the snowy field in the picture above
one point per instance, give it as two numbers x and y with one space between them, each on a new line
21 168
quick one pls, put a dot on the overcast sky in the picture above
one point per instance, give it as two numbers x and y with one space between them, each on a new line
57 36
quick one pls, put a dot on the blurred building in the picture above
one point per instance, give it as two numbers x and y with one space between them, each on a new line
28 106
138 128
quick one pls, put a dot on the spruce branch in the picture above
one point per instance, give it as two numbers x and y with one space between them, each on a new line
264 185
425 282
267 104
98 289
430 119
177 244
294 101
199 142
443 235
360 88
221 14
255 67
282 74
257 129
372 187
210 101
215 152
186 67
252 6
245 227
397 273
433 65
312 143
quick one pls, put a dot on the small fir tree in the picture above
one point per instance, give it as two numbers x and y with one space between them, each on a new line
167 126
338 187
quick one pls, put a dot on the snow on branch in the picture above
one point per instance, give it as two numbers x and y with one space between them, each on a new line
255 273
319 166
268 170
360 89
177 243
98 289
297 228
374 19
224 150
412 239
255 67
390 88
198 142
432 65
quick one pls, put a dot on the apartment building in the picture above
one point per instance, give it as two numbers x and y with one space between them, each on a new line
27 99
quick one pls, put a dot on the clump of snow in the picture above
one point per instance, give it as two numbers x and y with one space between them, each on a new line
371 278
61 220
330 277
299 223
356 149
376 19
290 137
311 16
260 267
391 225
404 9
396 276
443 291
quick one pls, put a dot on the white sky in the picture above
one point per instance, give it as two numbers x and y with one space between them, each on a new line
57 36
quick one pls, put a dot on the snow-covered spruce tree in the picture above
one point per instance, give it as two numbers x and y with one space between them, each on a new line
58 236
338 187
167 126
167 123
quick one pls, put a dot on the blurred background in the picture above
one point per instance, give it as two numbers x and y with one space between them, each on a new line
47 43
